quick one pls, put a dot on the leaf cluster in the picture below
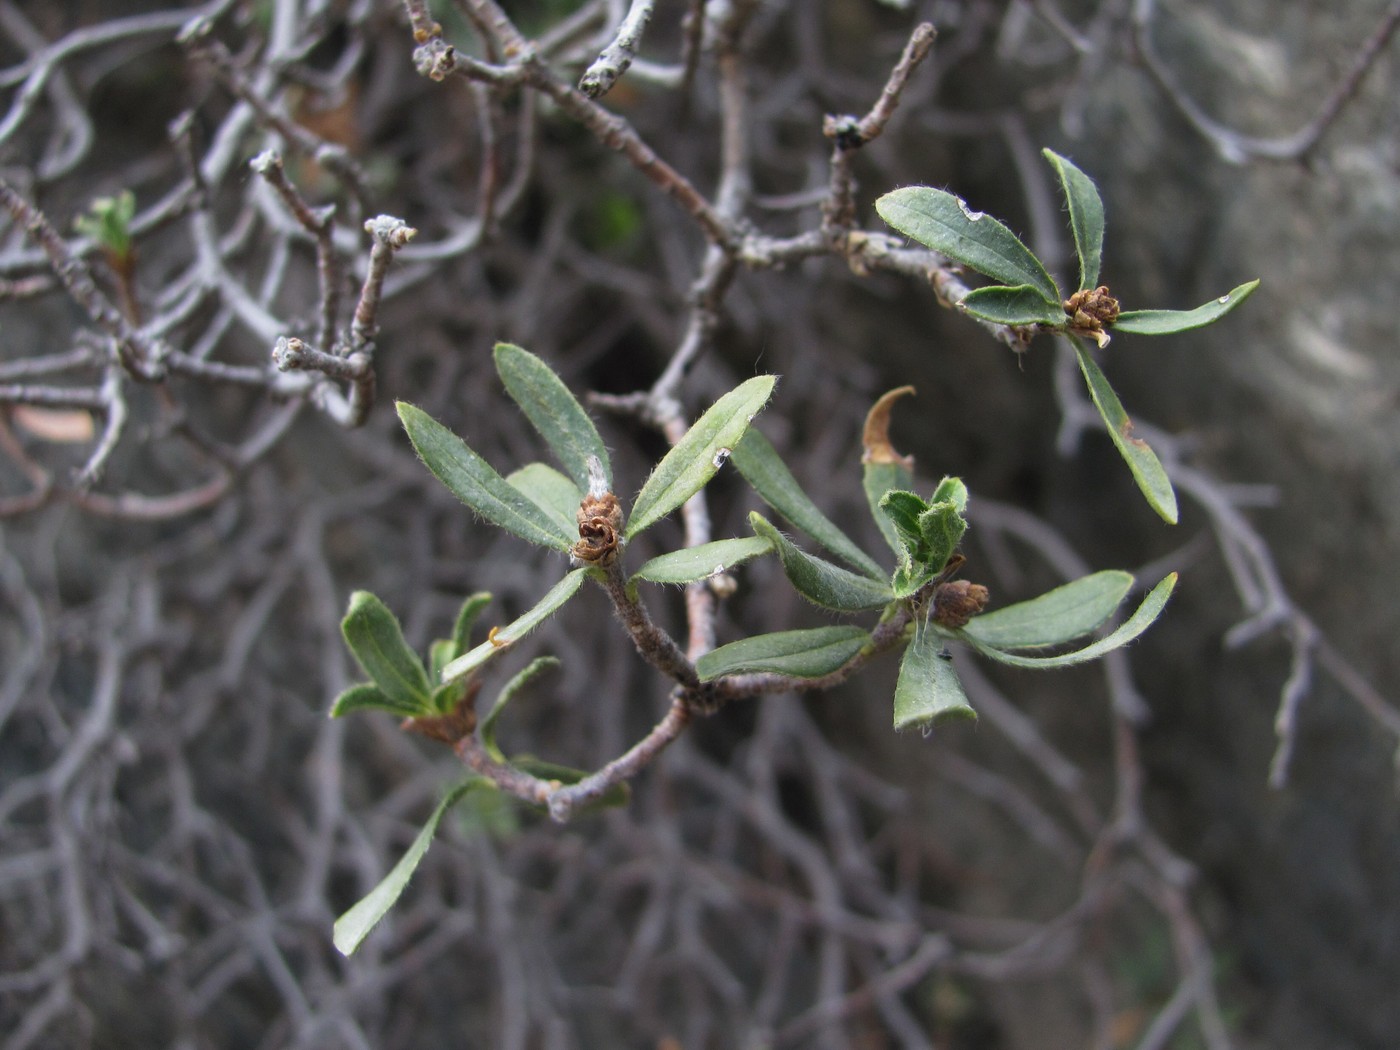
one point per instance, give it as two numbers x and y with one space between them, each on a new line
550 507
1027 297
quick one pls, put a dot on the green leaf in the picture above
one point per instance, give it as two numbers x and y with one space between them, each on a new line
553 411
473 481
551 491
797 654
878 479
1057 616
946 224
698 563
819 581
376 640
1167 322
466 619
366 697
1020 305
352 927
533 670
1148 611
928 691
903 510
951 490
695 457
1085 216
505 637
762 467
1147 469
942 527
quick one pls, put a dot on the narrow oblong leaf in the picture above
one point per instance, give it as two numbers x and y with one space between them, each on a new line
1148 611
1168 322
819 581
366 697
698 563
553 411
928 690
504 637
551 491
1062 615
354 926
943 222
1021 305
1147 469
884 469
467 616
373 634
696 457
797 654
1085 216
519 681
475 482
761 466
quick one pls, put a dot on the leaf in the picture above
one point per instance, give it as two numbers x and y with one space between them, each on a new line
698 563
533 670
1021 305
902 510
819 581
884 469
504 637
1148 611
942 527
366 697
1085 216
1147 469
552 410
946 224
1167 322
699 453
759 463
376 640
1057 616
928 690
797 654
551 491
352 927
466 620
473 481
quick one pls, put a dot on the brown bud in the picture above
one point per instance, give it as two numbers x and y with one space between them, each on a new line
956 602
1090 310
599 524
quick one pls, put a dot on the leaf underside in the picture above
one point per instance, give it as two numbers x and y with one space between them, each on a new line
1147 612
506 636
1146 468
352 927
1055 617
928 690
820 581
762 467
699 563
798 654
1169 322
